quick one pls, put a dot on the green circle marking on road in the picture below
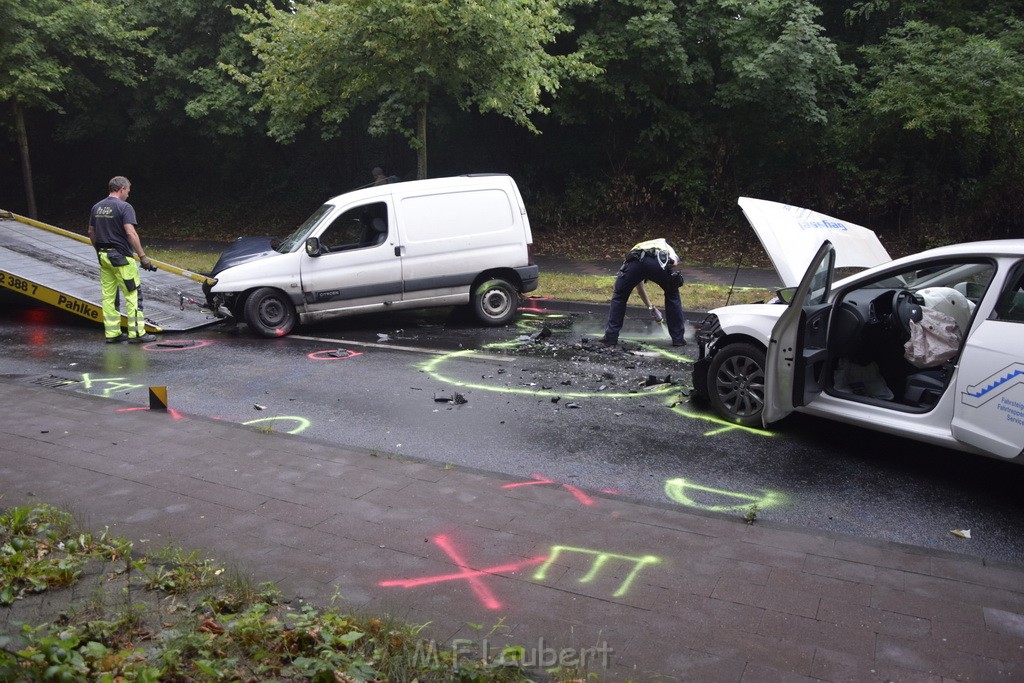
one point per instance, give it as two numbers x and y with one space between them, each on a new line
431 367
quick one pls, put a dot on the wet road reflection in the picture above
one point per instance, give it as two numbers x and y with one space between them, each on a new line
541 407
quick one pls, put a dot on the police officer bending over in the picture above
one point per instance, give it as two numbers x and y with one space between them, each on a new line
651 260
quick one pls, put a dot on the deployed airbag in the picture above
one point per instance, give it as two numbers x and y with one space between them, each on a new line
950 302
932 341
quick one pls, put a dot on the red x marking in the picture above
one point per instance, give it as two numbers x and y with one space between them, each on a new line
170 411
473 576
540 479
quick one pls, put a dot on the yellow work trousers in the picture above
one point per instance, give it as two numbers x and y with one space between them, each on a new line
126 280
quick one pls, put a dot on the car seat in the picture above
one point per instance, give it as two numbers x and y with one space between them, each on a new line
924 388
375 233
380 230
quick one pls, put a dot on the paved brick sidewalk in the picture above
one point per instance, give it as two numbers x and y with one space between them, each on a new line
674 595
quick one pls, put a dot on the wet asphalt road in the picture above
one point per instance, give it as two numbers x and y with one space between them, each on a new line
548 414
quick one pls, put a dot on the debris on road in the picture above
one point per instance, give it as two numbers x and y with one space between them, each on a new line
629 367
455 399
961 533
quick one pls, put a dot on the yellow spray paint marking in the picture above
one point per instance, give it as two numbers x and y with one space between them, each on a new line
301 423
677 490
431 368
600 558
724 425
112 384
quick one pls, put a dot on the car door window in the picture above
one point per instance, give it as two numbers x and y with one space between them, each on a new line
1010 306
359 227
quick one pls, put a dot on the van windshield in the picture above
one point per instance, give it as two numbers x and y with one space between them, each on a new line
292 241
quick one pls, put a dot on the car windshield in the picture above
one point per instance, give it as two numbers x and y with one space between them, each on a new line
935 275
292 241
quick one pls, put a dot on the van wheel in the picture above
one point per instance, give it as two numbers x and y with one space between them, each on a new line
495 302
736 383
269 313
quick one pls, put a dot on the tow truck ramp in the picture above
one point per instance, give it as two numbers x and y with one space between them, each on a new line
60 268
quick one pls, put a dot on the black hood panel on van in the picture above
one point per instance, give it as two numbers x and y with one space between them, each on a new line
241 250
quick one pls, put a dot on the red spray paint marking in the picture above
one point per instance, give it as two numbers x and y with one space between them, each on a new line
333 354
174 413
473 576
540 479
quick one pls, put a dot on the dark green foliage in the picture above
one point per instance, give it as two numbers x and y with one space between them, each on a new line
904 115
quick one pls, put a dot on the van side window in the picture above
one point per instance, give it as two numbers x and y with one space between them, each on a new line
357 228
1011 302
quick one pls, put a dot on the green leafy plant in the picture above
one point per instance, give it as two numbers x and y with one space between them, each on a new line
751 515
176 571
179 617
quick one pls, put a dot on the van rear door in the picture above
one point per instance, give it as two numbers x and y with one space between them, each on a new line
450 236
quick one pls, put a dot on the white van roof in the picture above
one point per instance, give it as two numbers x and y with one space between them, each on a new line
418 187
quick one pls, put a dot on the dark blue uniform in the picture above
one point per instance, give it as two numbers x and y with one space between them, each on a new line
647 261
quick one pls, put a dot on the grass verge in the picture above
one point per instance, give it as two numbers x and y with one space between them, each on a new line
173 616
598 289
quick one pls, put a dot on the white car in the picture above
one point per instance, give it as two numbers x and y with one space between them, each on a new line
929 346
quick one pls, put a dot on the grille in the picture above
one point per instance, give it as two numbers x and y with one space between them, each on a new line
54 381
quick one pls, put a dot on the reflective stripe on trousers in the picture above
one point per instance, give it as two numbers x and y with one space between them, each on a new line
117 278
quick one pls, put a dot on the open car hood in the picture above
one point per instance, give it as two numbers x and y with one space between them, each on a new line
792 235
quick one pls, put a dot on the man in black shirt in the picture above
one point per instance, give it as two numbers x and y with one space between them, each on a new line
112 231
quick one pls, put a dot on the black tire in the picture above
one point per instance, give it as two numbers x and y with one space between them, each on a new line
736 383
495 302
269 313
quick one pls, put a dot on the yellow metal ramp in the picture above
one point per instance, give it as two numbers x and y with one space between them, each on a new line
60 268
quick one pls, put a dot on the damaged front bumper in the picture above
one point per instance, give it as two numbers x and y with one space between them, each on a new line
708 332
221 305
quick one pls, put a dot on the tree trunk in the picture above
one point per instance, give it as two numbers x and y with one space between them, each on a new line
26 164
421 137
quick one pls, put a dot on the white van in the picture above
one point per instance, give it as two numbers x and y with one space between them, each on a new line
439 242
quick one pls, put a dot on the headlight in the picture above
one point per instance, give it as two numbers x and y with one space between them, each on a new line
707 330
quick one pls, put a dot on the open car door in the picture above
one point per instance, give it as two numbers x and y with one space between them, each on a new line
797 362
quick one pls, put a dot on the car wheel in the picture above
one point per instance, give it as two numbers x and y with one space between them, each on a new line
495 302
736 383
269 313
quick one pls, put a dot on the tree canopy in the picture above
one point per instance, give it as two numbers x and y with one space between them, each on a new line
324 59
905 115
56 52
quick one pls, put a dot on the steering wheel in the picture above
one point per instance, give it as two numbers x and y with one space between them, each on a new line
905 309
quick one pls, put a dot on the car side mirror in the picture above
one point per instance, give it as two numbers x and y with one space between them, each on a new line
312 246
785 295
